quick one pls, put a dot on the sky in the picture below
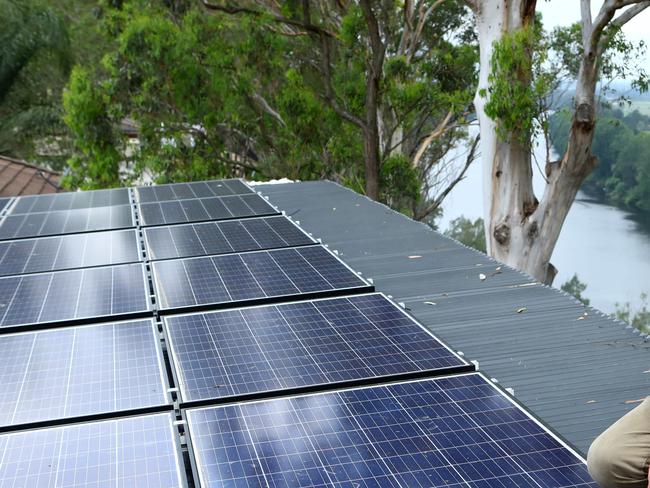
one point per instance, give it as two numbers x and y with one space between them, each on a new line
566 12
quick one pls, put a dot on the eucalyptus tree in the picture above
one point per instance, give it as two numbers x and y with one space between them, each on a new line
371 94
521 230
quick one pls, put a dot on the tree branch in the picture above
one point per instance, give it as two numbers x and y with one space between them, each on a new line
264 105
418 30
430 138
232 10
461 176
606 14
330 96
629 14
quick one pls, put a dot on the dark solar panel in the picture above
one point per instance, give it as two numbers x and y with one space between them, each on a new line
294 345
68 251
251 276
71 201
457 432
65 222
230 236
130 452
202 209
73 295
4 202
199 189
82 370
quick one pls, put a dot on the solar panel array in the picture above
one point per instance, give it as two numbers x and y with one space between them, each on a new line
189 335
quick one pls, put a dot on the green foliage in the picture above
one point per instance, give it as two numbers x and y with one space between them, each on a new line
471 233
639 318
622 146
400 183
35 57
87 117
217 95
576 288
517 84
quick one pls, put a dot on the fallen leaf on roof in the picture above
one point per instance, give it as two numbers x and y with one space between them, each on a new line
433 303
414 256
634 401
521 310
482 277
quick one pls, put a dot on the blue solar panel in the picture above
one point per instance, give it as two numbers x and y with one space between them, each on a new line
293 345
65 222
125 453
73 295
77 371
251 276
71 201
210 238
4 202
199 189
69 251
456 432
203 209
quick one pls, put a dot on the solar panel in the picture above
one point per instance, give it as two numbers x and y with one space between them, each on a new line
68 252
123 453
4 202
199 189
301 344
73 295
78 371
65 222
202 209
457 431
224 237
71 201
247 277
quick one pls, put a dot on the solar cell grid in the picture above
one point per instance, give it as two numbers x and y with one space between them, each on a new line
251 276
457 432
71 201
123 453
198 189
84 370
73 295
296 345
3 203
203 209
66 222
68 251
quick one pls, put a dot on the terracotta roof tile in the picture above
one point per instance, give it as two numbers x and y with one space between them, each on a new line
22 178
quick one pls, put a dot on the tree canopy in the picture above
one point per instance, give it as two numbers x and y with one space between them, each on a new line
265 92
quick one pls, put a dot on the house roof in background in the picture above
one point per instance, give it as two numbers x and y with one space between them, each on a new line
22 178
572 366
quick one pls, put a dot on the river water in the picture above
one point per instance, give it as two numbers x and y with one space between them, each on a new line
606 246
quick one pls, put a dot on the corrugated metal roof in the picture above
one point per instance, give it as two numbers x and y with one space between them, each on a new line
578 373
21 178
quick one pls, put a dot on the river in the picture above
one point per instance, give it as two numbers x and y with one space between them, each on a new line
605 245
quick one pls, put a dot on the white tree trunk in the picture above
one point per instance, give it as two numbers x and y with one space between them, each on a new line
521 231
508 197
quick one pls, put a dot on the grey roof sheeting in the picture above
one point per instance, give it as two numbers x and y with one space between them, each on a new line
578 373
